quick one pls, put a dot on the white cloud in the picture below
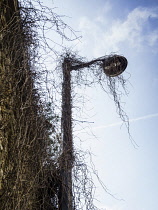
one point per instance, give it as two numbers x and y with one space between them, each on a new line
104 11
132 32
153 38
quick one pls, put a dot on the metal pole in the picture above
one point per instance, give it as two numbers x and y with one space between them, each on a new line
66 126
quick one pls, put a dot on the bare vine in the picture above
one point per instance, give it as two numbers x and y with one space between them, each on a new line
29 140
30 137
93 74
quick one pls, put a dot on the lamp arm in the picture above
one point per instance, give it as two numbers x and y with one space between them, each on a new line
112 65
87 64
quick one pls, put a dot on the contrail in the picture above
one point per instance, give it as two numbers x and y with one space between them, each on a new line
130 120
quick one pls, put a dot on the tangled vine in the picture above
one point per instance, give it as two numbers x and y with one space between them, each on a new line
30 140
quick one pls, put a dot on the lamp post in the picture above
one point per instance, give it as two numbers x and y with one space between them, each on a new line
112 66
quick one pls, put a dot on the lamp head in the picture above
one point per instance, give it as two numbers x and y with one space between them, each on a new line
114 65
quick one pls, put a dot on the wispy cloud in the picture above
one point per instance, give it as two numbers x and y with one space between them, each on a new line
144 117
130 120
134 31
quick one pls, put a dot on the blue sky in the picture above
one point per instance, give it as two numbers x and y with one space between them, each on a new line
129 28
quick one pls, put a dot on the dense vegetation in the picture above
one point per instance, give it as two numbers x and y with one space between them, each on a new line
27 168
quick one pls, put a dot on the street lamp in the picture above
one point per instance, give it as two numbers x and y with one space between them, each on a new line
115 65
112 66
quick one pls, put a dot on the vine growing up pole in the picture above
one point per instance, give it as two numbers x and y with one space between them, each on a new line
66 130
111 66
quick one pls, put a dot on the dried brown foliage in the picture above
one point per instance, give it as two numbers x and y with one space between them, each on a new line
28 142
